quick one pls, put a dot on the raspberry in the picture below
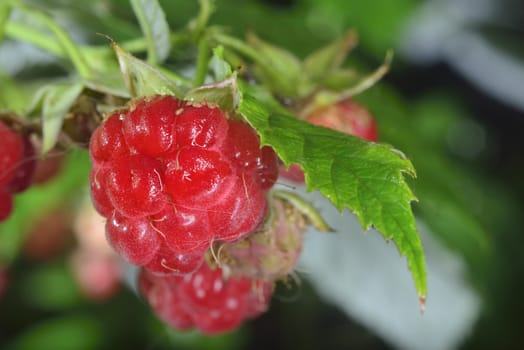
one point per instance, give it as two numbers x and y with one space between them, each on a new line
169 262
149 127
181 172
196 175
184 229
135 185
6 203
107 141
346 116
100 198
205 299
269 254
25 170
17 165
11 153
241 211
200 126
134 239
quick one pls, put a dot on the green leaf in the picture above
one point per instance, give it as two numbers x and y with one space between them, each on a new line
57 101
5 10
142 79
70 47
367 178
155 28
224 93
81 332
328 58
280 70
220 68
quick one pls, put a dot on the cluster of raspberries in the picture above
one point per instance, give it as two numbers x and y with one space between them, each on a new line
172 178
17 165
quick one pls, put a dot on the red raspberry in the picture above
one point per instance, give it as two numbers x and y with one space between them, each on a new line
267 167
169 262
99 196
135 185
346 116
196 176
184 229
135 239
6 203
149 127
205 299
241 212
24 173
11 153
191 173
107 141
200 126
17 165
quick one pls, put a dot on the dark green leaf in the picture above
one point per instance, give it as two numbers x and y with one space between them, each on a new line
367 178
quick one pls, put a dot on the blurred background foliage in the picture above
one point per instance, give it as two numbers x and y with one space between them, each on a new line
453 102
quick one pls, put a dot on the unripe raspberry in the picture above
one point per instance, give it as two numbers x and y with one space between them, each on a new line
271 253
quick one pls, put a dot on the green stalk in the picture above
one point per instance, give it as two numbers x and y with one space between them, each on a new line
63 38
202 62
238 45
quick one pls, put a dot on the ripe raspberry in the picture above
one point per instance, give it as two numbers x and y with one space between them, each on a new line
135 239
346 116
149 126
6 203
11 153
26 167
185 229
188 171
17 164
205 299
200 126
107 141
135 185
169 262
